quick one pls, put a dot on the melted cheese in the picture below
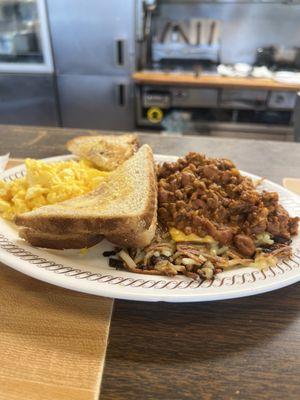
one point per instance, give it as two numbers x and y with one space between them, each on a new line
179 236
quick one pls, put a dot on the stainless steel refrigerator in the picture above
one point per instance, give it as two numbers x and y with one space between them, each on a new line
94 51
27 83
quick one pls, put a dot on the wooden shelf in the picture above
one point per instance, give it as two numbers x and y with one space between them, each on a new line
160 78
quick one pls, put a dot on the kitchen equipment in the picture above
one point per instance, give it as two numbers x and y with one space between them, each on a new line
28 87
207 29
24 37
195 39
236 70
7 11
156 99
212 33
26 11
265 56
182 97
243 99
278 57
287 57
198 33
19 43
94 83
252 112
174 32
28 99
261 72
282 100
7 43
288 77
193 97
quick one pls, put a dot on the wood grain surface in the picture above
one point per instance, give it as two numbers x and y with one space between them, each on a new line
239 349
52 340
164 78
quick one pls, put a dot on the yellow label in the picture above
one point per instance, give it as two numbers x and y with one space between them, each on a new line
155 114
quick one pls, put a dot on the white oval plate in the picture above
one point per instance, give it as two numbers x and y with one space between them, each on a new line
90 272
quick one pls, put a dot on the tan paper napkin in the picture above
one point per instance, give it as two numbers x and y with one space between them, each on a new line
52 340
292 184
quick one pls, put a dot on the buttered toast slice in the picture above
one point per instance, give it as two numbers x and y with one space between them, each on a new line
106 151
59 242
123 208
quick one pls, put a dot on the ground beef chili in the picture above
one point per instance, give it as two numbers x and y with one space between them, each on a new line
204 196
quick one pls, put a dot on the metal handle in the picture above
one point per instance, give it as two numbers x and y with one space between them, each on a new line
120 52
297 119
121 94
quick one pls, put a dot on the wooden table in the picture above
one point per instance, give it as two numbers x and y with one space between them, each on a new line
213 81
237 349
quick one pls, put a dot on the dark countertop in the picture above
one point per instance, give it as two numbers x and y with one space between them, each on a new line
274 160
245 348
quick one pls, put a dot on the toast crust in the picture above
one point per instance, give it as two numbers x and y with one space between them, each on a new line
59 242
132 238
61 225
106 151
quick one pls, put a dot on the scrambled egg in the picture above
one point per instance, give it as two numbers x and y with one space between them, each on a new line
46 183
179 236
